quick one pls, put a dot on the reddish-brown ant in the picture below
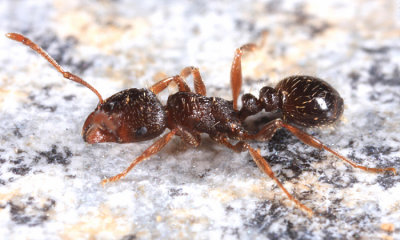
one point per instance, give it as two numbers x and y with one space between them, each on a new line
135 115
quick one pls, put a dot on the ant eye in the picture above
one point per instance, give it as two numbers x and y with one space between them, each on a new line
141 131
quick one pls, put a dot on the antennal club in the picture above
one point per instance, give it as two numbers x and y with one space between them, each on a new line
20 38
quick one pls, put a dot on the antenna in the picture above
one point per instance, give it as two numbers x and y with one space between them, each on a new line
22 39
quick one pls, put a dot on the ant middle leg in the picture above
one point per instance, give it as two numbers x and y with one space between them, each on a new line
236 72
267 132
239 147
263 166
199 86
190 137
153 149
162 84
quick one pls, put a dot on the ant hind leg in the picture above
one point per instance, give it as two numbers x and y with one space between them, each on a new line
313 142
270 128
236 72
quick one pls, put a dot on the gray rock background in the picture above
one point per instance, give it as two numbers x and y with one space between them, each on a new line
49 178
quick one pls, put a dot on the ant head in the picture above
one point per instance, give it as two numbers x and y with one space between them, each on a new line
131 115
128 116
99 127
309 101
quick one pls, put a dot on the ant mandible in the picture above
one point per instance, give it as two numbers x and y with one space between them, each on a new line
135 115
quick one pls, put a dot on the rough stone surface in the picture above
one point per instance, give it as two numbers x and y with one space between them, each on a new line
50 179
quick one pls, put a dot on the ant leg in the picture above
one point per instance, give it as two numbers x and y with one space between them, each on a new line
270 128
22 39
153 149
263 166
199 86
191 138
179 80
238 147
313 142
267 132
161 85
236 72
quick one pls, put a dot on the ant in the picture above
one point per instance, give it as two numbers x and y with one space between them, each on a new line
134 115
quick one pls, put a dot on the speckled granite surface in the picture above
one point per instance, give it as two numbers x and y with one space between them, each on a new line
49 178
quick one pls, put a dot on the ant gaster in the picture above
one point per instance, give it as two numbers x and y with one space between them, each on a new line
135 115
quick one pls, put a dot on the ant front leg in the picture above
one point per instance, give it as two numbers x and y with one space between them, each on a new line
153 149
263 166
236 72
